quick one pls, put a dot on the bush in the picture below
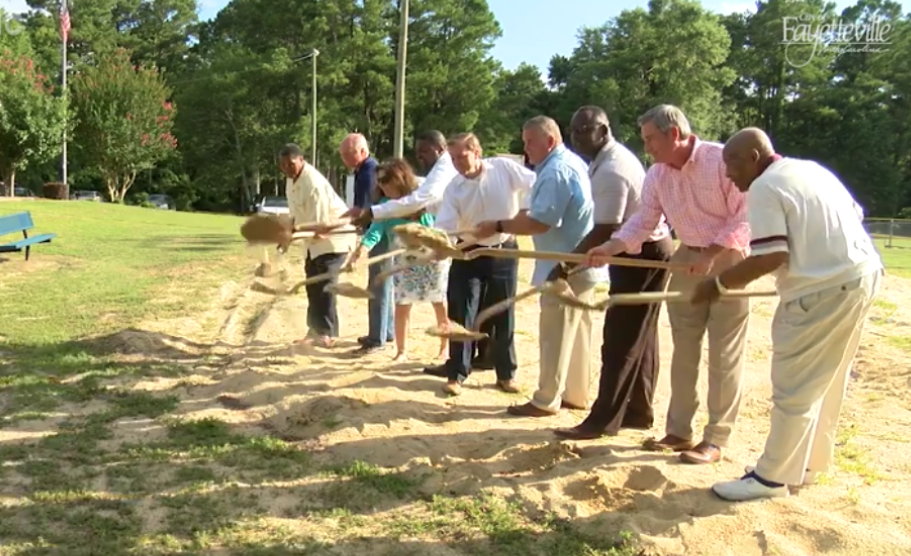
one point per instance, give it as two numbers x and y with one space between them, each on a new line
55 190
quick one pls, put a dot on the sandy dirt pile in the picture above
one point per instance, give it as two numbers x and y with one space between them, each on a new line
392 415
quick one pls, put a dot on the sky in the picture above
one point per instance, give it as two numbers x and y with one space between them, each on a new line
533 30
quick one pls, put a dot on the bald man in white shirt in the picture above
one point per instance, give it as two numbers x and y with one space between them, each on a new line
808 230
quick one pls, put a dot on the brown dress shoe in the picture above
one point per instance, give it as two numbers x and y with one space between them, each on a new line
453 388
508 386
578 433
528 410
668 443
702 453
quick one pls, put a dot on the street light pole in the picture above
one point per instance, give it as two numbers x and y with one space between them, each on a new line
399 139
314 54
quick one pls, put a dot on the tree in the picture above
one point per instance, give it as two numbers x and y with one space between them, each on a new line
32 119
674 52
520 96
124 120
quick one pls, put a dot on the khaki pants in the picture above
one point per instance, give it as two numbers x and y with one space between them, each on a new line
565 336
814 341
726 323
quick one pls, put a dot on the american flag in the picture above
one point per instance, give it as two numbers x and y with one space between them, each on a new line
64 20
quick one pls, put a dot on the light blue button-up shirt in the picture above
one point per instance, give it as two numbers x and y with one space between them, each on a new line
561 198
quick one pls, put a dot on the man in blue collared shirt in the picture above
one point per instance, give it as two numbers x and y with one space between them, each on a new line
356 156
559 217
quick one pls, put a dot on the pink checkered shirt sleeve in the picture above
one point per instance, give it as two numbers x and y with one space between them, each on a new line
643 222
701 204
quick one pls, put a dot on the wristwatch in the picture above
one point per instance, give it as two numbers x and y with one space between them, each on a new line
499 226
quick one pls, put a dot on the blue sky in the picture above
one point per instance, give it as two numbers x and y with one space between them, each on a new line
533 30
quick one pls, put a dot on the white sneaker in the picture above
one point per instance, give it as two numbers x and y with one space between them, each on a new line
748 489
809 477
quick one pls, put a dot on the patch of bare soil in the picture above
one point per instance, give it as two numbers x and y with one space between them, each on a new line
249 372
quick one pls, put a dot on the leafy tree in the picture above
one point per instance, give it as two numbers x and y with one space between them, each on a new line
124 120
674 53
32 119
521 94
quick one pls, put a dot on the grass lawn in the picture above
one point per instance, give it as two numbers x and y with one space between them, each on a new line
897 257
71 486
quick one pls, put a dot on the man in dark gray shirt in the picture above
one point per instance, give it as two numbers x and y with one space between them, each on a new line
629 353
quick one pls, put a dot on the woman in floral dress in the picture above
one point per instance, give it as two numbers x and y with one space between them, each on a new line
422 283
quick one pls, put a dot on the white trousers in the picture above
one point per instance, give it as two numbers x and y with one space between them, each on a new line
814 341
565 337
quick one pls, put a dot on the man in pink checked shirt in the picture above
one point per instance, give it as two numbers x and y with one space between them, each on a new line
688 185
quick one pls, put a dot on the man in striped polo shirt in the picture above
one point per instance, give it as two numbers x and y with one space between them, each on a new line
808 230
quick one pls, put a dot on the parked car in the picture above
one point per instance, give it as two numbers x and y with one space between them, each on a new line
162 201
86 195
23 192
273 205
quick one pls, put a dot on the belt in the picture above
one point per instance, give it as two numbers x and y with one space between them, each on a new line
695 249
508 244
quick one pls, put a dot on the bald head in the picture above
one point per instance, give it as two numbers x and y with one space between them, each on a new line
590 129
746 154
750 139
354 150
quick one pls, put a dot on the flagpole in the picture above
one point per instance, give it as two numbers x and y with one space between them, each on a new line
63 36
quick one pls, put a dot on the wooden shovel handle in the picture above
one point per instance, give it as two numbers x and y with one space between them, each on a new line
329 275
679 297
383 276
668 297
313 226
577 258
311 235
501 306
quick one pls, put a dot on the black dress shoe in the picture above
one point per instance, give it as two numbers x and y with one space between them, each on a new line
367 349
364 340
578 433
441 371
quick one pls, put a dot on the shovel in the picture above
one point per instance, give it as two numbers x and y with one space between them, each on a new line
648 297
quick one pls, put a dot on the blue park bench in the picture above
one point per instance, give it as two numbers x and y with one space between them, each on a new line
20 222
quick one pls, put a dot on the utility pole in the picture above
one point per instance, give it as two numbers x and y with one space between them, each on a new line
399 139
314 54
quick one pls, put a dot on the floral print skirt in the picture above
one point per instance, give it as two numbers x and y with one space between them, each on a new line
424 283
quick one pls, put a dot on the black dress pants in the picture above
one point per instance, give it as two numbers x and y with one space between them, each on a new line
629 355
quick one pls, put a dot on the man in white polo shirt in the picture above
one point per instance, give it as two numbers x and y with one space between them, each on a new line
485 189
806 228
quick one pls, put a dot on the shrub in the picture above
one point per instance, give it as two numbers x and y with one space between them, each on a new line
55 190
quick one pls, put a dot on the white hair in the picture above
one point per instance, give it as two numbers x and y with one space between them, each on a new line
665 117
545 125
356 141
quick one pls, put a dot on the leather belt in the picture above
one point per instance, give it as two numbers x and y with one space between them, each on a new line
508 244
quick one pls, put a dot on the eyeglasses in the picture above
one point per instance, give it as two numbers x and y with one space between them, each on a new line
584 129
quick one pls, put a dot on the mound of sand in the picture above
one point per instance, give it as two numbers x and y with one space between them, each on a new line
392 415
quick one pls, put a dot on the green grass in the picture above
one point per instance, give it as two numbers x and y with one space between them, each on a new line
84 485
118 263
897 258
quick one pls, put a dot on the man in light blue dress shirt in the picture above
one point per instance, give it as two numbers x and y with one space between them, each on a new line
560 215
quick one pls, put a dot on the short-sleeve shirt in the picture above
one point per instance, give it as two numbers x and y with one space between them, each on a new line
562 199
312 199
801 208
617 175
